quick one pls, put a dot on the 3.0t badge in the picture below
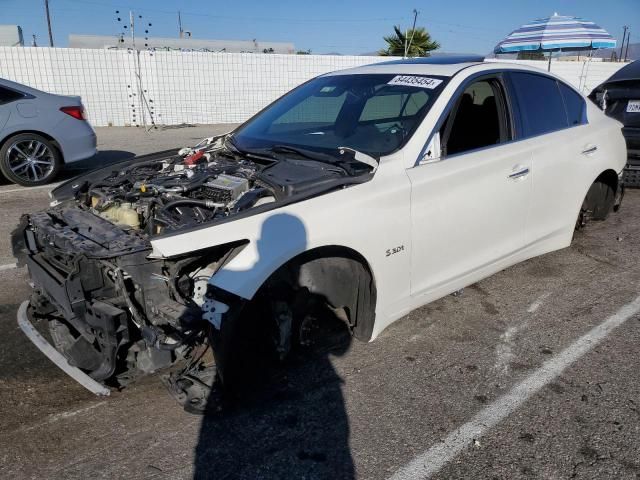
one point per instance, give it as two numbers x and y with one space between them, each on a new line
398 249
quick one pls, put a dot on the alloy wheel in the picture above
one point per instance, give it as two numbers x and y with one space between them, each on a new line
30 160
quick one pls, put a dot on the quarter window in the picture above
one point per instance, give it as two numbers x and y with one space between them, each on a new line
541 104
7 95
575 105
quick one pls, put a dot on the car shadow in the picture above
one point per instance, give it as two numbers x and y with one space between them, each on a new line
287 419
101 159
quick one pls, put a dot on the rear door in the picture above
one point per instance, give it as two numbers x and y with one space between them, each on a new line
468 206
553 124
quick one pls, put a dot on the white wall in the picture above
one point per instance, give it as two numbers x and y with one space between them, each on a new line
195 87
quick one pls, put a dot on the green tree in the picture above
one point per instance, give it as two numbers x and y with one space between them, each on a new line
418 41
531 55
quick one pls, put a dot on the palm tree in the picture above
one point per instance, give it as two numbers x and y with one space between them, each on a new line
417 40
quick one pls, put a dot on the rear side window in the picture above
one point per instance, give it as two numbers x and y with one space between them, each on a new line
541 104
7 95
575 105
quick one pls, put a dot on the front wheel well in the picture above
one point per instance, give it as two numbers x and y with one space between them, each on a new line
335 275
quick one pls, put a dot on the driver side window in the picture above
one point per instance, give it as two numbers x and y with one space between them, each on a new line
478 120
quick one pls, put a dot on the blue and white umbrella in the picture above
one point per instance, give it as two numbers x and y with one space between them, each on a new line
556 33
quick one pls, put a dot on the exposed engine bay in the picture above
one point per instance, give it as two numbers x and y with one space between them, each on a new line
202 185
116 313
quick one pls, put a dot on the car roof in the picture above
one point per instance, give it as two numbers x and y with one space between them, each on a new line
437 60
442 65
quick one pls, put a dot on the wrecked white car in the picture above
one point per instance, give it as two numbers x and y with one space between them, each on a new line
371 191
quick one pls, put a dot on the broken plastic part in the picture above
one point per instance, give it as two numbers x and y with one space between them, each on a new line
213 310
361 157
56 357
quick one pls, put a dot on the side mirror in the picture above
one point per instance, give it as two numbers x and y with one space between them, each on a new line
433 152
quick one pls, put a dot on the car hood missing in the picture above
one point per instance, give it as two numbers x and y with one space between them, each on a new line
171 192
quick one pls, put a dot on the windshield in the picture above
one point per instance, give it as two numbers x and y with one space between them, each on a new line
374 114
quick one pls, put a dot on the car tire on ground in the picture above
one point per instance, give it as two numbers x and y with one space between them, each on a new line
29 159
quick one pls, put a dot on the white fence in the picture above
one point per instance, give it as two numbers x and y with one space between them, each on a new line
194 87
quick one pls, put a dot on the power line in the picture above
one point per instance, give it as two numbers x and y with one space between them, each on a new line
243 17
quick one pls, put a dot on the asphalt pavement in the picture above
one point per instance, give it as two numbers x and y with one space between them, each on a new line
531 373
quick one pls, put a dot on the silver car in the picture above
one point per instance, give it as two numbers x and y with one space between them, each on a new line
40 132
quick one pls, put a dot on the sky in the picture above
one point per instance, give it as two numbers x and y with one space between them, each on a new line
323 26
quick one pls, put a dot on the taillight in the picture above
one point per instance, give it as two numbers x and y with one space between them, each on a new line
75 112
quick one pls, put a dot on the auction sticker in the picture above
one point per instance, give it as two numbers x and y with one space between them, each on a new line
415 81
633 106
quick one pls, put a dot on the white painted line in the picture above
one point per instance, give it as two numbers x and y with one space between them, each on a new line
538 303
63 415
432 460
8 266
50 186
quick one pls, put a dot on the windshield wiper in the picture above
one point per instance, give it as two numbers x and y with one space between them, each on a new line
310 154
231 145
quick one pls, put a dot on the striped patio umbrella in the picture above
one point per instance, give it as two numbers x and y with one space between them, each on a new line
554 34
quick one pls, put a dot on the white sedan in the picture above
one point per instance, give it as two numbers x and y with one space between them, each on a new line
372 191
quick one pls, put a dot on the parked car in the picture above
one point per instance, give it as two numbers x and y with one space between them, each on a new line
619 97
372 191
39 133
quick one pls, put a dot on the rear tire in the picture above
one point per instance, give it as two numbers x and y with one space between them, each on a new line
29 159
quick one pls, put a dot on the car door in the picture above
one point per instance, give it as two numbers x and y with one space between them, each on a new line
553 124
469 199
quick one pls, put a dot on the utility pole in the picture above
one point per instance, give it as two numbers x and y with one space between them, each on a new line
626 50
624 34
132 27
180 25
46 8
407 46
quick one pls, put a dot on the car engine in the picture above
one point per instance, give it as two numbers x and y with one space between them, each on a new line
162 196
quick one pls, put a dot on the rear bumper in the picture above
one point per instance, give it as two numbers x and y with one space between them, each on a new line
77 140
632 137
632 170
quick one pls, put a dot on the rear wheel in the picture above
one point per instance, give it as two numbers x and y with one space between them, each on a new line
29 159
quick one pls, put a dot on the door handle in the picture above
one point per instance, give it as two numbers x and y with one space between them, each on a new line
519 172
589 149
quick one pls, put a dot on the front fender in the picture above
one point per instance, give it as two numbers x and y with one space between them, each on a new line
282 236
